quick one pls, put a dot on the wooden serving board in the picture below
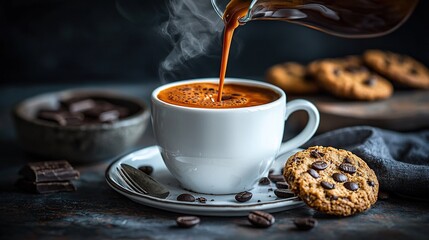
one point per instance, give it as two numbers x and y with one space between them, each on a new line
404 111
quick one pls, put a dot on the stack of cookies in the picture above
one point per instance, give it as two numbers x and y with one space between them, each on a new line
368 77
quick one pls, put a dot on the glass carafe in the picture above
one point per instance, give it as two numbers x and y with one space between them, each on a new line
345 18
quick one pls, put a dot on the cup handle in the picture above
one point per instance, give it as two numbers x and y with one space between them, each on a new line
308 131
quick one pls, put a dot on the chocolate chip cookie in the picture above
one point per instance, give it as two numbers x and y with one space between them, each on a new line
351 81
333 181
292 78
399 68
349 61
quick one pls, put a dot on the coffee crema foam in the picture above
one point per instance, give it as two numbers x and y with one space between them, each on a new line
204 95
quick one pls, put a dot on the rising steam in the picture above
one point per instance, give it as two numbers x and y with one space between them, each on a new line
191 28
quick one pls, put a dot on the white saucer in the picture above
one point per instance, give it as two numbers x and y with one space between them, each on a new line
216 205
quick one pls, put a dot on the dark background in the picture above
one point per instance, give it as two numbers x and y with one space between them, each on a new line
77 41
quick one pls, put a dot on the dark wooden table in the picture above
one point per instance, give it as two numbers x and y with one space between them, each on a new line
96 211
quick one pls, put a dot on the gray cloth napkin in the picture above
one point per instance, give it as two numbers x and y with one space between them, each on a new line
400 160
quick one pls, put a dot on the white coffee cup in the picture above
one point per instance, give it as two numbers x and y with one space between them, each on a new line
225 151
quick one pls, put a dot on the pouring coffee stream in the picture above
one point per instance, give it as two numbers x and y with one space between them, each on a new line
347 18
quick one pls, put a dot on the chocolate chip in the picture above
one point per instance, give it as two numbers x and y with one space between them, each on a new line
316 154
276 178
355 69
187 221
334 197
226 97
370 81
313 173
370 183
202 199
338 177
264 181
352 186
146 169
283 193
186 197
327 185
347 160
319 165
305 223
243 196
261 219
336 71
413 71
282 185
347 167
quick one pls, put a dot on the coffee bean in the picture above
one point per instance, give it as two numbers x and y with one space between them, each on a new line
270 189
259 200
264 181
370 183
187 221
305 223
146 169
370 81
282 185
347 167
276 178
202 199
348 160
316 154
413 71
186 197
261 219
319 165
243 196
352 186
313 173
283 193
327 185
338 177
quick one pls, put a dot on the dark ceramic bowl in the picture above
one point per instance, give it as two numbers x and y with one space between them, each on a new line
86 143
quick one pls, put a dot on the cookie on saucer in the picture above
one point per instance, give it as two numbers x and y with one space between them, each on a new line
333 181
399 68
292 78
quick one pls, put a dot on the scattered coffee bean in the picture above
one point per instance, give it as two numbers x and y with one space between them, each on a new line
187 221
270 189
316 154
202 199
305 223
348 160
370 81
282 185
186 197
319 165
352 186
276 178
283 193
269 195
338 177
370 183
313 173
383 196
261 219
259 200
146 169
264 181
243 196
212 200
327 185
347 167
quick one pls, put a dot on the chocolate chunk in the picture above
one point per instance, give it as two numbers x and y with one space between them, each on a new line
202 199
370 81
186 197
316 154
187 221
283 193
109 116
413 71
338 177
348 160
105 111
319 165
313 173
49 171
276 178
80 106
327 185
305 223
370 183
282 185
352 186
146 169
261 219
347 167
243 196
45 187
62 118
264 181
